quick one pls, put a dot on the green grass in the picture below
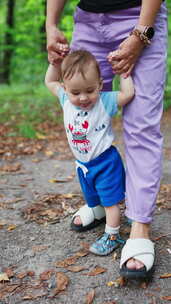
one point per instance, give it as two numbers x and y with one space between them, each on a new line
24 107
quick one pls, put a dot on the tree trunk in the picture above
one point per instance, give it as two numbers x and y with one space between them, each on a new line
8 43
43 31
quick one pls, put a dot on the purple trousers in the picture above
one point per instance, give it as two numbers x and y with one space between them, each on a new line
100 34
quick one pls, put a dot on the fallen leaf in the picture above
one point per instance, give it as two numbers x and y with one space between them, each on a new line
39 248
31 273
97 270
165 276
9 272
85 245
67 262
46 275
90 297
24 274
21 275
69 195
76 268
62 282
49 153
4 277
50 213
11 167
119 282
11 227
34 296
36 160
167 298
7 289
53 180
82 253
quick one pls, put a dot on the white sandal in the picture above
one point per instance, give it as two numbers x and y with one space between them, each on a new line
141 250
90 218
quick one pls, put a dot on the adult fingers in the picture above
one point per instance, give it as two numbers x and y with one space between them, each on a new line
129 71
122 70
115 55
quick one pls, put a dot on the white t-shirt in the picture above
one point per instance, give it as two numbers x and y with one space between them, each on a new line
89 132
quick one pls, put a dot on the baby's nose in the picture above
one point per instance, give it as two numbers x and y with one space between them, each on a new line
83 97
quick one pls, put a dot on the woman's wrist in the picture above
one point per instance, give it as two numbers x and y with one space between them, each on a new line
144 33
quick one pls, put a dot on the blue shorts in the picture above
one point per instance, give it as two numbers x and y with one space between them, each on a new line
103 179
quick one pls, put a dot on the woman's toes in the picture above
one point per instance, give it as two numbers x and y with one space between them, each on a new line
77 220
134 264
131 264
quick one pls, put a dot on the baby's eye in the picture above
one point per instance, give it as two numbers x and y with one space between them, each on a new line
75 93
90 91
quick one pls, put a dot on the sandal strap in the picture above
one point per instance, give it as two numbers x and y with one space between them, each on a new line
88 215
139 249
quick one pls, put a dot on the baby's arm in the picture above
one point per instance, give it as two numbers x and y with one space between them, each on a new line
52 78
126 92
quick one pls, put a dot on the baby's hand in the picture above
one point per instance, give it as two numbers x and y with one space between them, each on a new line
63 49
112 55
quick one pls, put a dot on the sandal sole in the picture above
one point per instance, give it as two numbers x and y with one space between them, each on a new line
81 228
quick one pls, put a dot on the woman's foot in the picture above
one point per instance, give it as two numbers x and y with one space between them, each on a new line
138 230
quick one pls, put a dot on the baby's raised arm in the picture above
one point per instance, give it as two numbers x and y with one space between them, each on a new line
126 92
52 78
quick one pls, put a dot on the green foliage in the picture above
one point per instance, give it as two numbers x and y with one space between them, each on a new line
25 107
27 102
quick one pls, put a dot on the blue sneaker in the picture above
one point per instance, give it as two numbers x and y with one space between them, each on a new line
106 244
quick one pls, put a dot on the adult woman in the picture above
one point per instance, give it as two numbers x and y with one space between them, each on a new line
102 28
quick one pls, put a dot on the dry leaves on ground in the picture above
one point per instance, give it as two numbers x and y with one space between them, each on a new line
49 208
90 297
14 167
76 268
62 282
44 276
53 145
72 259
96 271
165 276
166 298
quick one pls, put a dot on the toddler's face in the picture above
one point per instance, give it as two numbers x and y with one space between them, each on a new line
83 92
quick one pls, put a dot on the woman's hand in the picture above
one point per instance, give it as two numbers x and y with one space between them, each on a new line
124 58
57 45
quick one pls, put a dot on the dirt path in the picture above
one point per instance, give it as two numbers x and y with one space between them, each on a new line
38 194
